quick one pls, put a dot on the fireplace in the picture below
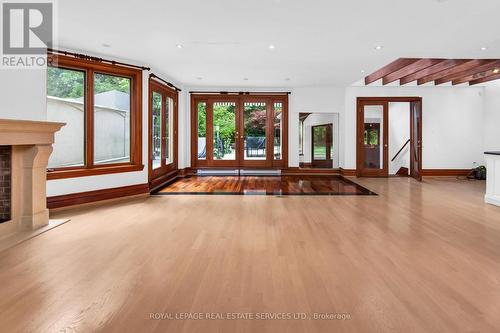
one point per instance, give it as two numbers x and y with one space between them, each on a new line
25 147
5 183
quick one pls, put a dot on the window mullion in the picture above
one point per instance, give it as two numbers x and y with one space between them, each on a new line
89 119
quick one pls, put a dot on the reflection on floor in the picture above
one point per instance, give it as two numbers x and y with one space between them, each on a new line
265 185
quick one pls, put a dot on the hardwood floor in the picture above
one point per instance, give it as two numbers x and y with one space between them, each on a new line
415 258
265 185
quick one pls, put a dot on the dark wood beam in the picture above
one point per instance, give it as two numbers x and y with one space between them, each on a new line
453 70
485 79
443 65
410 69
392 67
477 76
490 65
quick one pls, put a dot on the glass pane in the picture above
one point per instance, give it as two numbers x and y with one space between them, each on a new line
202 131
224 130
301 137
278 115
156 133
66 103
319 143
255 131
111 119
373 136
169 104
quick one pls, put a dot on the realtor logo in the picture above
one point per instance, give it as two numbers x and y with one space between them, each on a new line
27 32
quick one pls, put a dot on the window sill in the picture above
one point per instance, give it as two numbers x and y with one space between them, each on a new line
101 170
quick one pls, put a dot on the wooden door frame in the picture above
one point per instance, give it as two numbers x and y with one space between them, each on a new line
329 147
166 92
240 99
418 175
360 131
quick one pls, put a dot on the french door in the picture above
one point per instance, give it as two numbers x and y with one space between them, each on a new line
372 137
236 131
163 112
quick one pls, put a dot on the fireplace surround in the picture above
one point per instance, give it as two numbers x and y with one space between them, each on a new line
24 174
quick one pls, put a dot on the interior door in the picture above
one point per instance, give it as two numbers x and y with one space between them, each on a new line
162 129
321 152
372 139
416 140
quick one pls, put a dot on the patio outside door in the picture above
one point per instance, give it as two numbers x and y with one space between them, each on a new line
238 131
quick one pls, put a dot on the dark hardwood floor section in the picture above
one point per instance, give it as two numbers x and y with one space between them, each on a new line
265 185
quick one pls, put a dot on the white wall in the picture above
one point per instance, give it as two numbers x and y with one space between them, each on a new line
491 129
22 94
321 119
452 124
399 133
314 100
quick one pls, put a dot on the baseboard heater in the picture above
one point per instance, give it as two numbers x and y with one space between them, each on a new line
260 172
237 172
218 172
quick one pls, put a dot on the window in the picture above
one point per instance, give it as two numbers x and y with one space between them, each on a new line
101 106
277 128
202 131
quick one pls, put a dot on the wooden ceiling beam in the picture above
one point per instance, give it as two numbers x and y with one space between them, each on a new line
453 70
476 76
485 79
392 67
443 65
410 69
489 65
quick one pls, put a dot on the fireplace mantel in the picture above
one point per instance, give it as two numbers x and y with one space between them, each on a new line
31 143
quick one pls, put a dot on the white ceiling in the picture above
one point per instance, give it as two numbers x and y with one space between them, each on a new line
318 42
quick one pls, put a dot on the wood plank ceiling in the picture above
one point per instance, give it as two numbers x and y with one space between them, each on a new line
440 71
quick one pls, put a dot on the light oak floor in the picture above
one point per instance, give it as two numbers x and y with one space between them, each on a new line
417 258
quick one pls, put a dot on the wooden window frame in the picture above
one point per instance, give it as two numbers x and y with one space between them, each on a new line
90 67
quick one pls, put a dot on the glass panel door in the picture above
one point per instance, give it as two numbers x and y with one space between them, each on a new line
254 123
322 146
169 121
156 132
224 131
372 139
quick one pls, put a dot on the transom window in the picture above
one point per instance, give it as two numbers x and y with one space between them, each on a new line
101 106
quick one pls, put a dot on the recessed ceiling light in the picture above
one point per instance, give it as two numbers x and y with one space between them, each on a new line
496 71
272 47
362 71
106 45
179 46
484 48
379 47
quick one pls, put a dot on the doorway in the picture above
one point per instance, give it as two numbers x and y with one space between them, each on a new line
372 137
239 131
321 150
163 123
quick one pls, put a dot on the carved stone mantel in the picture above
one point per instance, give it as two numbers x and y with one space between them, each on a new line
31 143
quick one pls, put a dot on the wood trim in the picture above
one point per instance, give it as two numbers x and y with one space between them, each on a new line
348 172
90 67
97 195
104 170
304 171
445 172
161 180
